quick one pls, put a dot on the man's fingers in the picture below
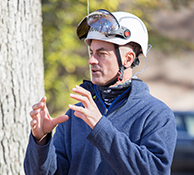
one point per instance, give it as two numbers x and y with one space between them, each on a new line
79 111
40 104
43 99
77 108
60 119
81 91
34 113
79 114
84 95
33 124
80 98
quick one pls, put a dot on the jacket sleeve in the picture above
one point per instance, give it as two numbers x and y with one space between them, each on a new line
153 155
49 159
39 158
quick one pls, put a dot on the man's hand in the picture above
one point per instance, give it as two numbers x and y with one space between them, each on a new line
41 122
90 114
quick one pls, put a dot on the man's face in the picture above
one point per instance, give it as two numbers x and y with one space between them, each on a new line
103 61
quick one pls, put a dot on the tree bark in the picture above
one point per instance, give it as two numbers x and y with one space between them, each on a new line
21 78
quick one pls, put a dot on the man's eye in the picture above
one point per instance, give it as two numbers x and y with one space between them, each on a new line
102 53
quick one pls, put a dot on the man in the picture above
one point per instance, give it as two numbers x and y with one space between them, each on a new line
118 127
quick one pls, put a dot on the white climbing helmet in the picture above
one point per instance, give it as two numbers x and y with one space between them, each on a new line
118 27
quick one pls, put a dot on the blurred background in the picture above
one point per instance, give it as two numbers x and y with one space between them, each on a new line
171 64
170 68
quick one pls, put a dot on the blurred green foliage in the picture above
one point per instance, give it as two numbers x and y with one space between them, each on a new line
66 58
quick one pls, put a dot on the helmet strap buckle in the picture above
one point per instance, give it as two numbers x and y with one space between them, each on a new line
121 72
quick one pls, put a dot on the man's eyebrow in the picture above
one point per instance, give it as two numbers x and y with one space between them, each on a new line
100 49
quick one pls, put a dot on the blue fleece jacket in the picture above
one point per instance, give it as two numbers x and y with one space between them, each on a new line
135 136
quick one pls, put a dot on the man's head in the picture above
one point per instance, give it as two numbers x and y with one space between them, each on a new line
120 29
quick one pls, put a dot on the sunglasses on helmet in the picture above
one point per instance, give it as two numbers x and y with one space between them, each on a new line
104 22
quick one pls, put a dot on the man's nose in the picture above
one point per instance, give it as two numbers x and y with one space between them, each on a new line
93 60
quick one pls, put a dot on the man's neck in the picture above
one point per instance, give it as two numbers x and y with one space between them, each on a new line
109 94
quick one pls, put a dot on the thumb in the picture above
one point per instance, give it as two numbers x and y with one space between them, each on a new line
60 119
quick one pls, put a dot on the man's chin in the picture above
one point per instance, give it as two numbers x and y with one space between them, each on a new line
98 82
101 82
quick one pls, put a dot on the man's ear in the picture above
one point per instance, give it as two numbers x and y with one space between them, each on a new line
129 58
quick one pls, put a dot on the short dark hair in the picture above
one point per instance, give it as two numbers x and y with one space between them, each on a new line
137 50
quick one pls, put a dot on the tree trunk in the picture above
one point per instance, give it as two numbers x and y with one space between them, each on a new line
21 78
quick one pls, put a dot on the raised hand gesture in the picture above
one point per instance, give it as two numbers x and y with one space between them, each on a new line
41 122
90 113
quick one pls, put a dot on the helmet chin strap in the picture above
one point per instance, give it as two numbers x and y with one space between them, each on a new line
121 67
